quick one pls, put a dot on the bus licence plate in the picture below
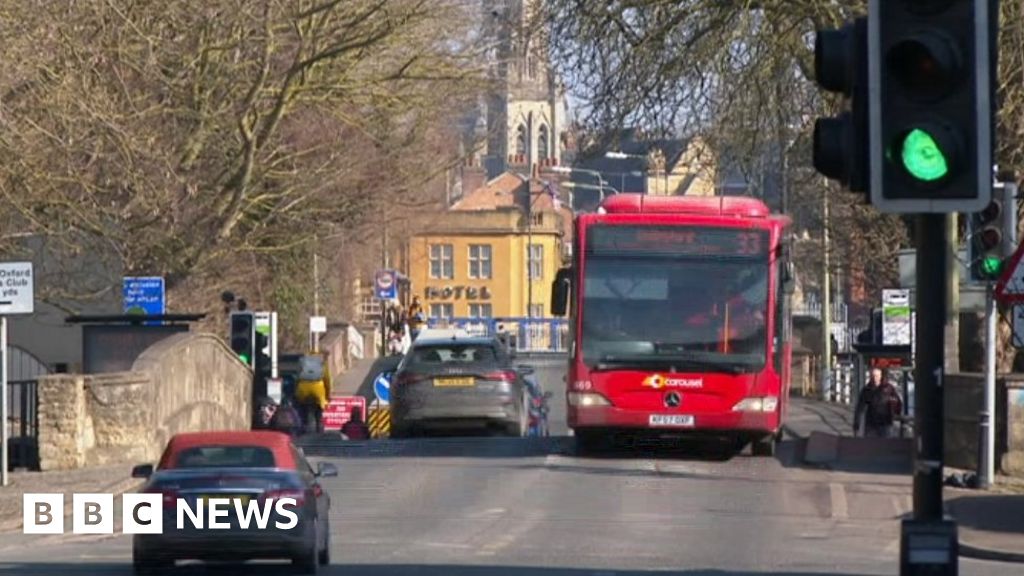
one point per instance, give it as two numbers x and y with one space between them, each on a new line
684 420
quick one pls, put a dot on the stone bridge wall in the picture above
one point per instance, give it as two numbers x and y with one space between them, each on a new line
184 383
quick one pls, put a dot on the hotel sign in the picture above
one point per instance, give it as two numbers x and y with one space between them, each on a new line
457 293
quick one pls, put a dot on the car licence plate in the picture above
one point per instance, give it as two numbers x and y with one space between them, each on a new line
684 420
454 381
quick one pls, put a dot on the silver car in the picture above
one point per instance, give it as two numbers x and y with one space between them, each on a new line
459 383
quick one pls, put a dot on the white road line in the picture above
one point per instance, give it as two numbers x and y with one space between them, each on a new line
837 497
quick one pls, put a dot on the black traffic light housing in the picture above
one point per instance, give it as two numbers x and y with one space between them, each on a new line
930 67
991 235
841 142
243 336
262 356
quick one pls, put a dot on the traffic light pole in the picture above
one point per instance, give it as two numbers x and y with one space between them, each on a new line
928 541
986 454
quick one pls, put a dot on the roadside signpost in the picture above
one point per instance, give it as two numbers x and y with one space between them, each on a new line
382 388
17 297
386 284
339 411
144 295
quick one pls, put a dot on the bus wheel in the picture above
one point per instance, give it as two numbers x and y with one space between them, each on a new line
764 446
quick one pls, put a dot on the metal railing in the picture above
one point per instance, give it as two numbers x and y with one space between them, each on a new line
527 334
23 423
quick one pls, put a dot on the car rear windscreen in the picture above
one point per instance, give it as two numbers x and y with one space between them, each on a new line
453 353
225 457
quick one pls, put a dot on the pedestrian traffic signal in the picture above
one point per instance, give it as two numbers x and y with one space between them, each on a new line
931 109
243 336
841 142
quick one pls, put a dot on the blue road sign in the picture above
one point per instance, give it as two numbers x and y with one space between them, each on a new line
387 284
143 295
382 388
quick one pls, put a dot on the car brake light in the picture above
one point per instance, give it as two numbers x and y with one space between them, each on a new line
503 375
407 378
170 496
298 495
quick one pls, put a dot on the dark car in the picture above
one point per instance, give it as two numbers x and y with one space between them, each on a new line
459 382
243 467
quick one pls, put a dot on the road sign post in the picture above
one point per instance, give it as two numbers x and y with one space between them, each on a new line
17 297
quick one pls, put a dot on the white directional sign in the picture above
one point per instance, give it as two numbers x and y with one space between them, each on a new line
17 288
1010 287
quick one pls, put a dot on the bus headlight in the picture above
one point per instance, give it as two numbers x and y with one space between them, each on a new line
587 399
757 404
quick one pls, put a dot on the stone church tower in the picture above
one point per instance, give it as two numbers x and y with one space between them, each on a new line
522 122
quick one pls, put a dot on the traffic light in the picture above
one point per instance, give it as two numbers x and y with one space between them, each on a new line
243 336
931 105
841 142
262 363
991 233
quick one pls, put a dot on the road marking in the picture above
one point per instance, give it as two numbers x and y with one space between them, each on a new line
837 496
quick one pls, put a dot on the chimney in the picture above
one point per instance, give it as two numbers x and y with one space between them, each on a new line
473 179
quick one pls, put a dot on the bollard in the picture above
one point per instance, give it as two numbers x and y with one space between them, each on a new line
984 482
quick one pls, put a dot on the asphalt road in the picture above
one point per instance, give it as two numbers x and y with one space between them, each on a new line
504 506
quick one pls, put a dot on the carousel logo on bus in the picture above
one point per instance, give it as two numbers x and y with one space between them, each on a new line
657 381
144 513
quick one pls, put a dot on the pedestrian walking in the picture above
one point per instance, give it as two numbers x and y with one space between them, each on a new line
415 317
879 406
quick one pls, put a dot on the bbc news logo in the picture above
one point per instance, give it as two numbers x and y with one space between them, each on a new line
144 513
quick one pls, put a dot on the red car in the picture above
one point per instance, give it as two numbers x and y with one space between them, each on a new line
252 469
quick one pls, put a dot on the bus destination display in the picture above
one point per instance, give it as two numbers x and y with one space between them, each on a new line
678 240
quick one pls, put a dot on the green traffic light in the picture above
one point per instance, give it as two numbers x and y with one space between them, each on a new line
922 156
244 358
991 266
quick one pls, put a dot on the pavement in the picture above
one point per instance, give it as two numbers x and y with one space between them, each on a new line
990 523
103 479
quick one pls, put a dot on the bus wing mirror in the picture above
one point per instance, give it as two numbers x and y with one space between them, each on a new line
560 292
788 278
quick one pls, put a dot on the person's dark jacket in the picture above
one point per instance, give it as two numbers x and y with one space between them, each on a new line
878 406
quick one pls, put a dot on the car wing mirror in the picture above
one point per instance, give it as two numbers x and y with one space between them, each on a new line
326 470
142 471
526 370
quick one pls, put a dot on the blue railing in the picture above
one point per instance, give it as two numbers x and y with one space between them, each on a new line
528 334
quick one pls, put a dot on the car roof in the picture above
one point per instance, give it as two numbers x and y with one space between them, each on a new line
277 442
478 340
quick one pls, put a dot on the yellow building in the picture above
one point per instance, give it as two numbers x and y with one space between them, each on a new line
485 258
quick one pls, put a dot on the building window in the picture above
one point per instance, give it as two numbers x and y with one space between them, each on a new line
442 311
542 143
536 311
521 140
535 256
441 261
480 261
480 311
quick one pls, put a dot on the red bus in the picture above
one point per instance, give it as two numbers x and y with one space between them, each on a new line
679 320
